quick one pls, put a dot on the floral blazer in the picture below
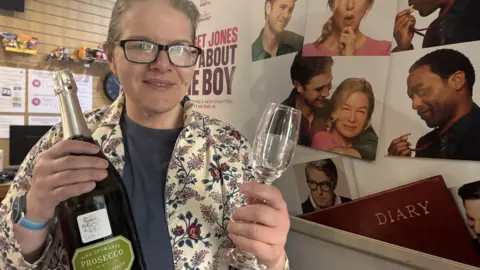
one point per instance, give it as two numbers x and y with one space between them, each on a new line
209 163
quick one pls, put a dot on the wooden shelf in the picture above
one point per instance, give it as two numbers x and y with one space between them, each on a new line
94 60
17 50
81 61
3 190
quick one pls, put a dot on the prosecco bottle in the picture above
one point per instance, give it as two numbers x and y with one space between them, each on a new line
98 227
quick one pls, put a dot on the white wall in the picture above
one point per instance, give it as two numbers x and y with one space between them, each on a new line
307 253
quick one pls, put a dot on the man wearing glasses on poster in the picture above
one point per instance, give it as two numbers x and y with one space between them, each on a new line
322 179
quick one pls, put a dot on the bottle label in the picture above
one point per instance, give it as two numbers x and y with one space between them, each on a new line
113 254
94 225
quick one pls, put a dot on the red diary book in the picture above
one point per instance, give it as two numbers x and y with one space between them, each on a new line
422 216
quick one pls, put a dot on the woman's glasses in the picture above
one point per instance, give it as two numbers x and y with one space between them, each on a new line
146 52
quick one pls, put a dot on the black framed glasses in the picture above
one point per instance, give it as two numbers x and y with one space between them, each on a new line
324 186
146 52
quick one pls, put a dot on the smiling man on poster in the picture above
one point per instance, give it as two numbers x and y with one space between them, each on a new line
322 179
440 85
273 39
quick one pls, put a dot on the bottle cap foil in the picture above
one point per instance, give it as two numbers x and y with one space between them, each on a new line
63 82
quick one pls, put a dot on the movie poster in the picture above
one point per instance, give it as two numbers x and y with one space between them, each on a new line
432 85
277 28
438 44
379 84
339 83
349 28
221 75
323 184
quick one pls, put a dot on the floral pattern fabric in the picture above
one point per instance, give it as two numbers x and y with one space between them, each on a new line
209 163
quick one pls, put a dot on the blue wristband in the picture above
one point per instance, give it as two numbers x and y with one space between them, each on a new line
31 225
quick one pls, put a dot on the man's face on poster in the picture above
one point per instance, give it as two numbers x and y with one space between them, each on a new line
424 7
432 97
316 91
472 210
279 13
321 188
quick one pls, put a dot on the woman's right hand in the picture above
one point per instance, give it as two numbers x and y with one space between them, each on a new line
404 30
61 173
348 42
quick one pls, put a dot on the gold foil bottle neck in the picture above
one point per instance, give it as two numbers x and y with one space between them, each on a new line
63 82
73 120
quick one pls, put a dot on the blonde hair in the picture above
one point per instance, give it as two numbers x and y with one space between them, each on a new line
327 28
343 92
121 7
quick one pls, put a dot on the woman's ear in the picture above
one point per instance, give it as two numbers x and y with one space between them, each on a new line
109 52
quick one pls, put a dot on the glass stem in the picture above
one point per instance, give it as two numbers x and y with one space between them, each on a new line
264 179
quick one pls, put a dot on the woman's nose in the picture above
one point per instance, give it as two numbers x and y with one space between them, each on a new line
162 62
352 116
350 4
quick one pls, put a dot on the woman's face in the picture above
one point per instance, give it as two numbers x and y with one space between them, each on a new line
352 116
349 13
160 86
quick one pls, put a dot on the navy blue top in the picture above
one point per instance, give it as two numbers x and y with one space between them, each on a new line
147 155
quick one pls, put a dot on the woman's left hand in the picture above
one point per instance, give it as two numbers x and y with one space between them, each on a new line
262 228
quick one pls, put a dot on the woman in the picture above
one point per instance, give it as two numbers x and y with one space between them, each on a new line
184 189
341 35
353 103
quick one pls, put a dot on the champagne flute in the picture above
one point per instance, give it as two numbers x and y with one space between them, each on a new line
273 147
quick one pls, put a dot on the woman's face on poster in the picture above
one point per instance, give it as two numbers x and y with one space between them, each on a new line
349 13
352 116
